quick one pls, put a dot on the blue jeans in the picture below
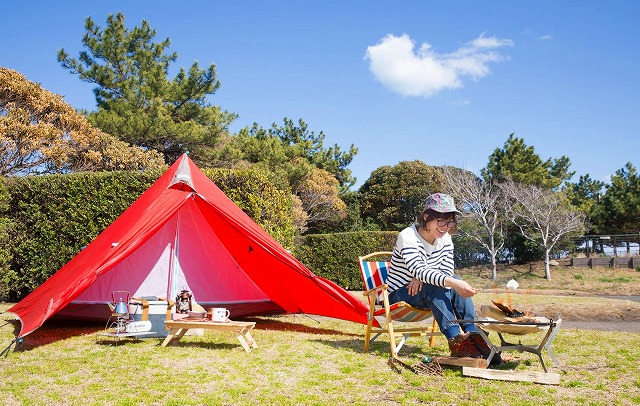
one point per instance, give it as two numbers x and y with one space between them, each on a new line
446 305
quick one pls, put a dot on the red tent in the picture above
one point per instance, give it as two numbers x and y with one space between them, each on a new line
184 233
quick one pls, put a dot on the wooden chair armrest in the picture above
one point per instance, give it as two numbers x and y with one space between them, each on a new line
376 289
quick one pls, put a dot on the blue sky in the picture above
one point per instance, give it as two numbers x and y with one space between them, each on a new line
442 82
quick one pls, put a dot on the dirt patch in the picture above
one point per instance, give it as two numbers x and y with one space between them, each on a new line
584 310
602 295
575 280
592 308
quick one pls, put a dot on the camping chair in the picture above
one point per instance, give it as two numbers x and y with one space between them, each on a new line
374 275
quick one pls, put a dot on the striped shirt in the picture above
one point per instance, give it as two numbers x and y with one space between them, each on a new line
413 257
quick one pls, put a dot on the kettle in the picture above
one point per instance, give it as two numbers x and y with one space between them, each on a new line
120 308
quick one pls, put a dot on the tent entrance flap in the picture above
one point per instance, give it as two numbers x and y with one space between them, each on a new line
184 254
143 273
206 268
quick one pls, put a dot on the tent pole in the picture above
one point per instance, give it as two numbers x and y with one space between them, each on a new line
173 277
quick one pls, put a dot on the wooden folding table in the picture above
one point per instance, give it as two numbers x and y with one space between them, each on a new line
241 329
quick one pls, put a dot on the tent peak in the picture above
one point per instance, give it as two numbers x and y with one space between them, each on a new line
182 176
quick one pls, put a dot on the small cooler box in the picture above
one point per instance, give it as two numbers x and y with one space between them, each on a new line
154 309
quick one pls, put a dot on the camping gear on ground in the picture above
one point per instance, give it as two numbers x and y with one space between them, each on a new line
119 310
121 324
496 319
183 232
374 274
138 326
152 310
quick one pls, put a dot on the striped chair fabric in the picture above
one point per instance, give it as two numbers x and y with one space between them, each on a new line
374 274
404 313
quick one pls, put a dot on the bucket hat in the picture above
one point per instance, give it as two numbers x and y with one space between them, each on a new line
441 203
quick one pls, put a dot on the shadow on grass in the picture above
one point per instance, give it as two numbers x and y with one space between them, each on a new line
54 330
381 349
279 325
412 353
58 329
208 345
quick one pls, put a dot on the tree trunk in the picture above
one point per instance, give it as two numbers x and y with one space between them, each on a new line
547 270
494 273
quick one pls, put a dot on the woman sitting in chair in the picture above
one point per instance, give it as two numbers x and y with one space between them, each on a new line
422 274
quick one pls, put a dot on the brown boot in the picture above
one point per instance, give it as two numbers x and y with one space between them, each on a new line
461 346
480 344
484 348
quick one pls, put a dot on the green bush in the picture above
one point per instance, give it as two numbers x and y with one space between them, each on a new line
54 216
267 205
6 227
335 256
46 220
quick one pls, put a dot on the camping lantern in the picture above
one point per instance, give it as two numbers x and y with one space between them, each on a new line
183 302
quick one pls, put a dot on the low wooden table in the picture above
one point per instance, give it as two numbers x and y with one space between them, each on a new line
241 329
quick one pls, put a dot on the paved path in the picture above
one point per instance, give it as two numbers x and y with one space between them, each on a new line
634 298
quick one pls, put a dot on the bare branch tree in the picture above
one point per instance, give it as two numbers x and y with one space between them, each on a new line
482 203
542 216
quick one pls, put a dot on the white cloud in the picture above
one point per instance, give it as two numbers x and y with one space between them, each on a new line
396 65
545 37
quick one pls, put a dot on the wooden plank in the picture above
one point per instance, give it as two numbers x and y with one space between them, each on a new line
548 378
123 334
462 361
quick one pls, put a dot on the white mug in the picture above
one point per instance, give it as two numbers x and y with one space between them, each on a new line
219 314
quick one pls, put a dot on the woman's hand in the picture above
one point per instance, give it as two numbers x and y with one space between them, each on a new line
414 287
463 288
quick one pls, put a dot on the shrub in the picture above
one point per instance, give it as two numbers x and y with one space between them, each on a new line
335 256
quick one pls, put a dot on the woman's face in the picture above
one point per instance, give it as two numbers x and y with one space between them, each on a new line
439 227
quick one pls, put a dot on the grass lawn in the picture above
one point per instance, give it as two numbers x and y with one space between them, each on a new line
304 360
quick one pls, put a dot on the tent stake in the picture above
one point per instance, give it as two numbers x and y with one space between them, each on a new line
5 352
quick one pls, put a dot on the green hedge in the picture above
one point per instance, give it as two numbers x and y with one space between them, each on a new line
257 196
46 220
335 256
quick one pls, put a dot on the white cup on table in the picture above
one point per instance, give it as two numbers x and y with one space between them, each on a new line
219 314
